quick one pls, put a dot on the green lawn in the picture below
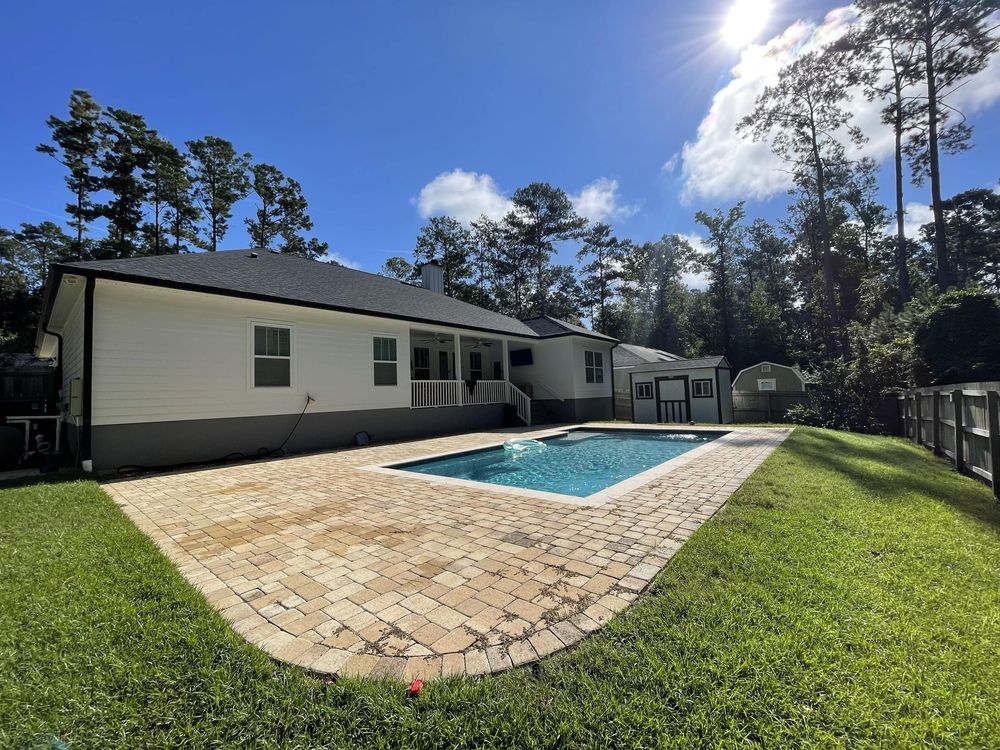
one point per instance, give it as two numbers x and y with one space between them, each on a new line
849 595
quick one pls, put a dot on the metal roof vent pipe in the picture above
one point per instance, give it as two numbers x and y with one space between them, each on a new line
432 276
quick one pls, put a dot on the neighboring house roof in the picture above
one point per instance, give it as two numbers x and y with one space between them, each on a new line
546 326
682 364
792 368
290 279
630 355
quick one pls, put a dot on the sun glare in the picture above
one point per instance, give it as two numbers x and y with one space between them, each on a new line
745 21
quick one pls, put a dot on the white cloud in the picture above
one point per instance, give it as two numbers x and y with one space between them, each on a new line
721 164
695 279
599 201
671 164
463 195
338 258
917 214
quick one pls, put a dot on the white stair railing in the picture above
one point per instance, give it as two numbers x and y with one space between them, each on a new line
521 403
487 392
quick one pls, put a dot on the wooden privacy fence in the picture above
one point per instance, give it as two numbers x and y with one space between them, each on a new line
766 406
958 422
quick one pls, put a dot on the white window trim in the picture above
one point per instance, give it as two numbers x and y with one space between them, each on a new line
371 358
594 367
772 381
765 368
697 381
293 344
647 387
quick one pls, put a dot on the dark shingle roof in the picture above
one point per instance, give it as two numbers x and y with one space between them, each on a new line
295 280
681 364
546 325
630 355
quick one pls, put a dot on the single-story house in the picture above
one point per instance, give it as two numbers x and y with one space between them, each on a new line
181 358
769 377
662 387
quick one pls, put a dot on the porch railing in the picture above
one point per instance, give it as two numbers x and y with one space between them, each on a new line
427 394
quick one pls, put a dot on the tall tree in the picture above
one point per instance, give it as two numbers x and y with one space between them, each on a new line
972 219
726 243
654 294
220 179
282 213
542 216
888 70
77 141
40 245
18 305
803 116
445 239
956 40
605 254
123 159
181 215
168 193
398 267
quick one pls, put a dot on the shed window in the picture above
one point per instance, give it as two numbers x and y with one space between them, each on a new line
702 388
384 359
643 390
765 368
272 356
766 384
421 363
594 366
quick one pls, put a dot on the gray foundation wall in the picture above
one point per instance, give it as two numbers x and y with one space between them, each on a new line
578 409
165 443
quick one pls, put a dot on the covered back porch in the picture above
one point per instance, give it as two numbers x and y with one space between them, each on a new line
448 368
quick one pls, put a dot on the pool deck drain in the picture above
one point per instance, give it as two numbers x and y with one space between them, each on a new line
343 570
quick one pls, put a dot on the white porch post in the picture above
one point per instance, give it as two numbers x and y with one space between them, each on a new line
458 369
505 360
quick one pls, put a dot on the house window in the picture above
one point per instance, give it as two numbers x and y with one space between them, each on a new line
384 359
643 390
765 368
594 366
475 366
272 356
702 388
766 384
421 363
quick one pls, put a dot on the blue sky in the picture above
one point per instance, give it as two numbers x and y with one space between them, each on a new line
374 106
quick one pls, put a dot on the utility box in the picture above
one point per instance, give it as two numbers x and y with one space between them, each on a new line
76 397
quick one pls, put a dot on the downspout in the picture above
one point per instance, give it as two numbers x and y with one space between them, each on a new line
86 438
611 358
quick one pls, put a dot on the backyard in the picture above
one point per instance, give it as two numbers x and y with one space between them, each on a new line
847 595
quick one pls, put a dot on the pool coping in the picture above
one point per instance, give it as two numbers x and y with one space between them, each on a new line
594 500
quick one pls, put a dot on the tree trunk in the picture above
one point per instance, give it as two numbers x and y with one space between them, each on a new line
944 277
825 255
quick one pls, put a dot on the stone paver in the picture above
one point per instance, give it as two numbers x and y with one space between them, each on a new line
327 564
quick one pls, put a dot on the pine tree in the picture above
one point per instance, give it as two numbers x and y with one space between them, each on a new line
606 253
219 176
123 159
77 143
445 239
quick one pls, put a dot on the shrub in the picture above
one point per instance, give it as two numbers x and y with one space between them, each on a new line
959 340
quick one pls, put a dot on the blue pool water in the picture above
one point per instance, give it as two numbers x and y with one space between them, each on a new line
578 463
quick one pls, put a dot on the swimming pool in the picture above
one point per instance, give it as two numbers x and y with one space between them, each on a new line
579 462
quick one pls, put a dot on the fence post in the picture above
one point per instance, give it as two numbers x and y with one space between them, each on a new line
768 407
917 398
956 399
993 422
936 424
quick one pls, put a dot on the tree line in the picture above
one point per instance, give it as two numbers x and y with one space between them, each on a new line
836 283
136 193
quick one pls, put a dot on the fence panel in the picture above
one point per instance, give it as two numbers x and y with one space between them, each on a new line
960 422
764 407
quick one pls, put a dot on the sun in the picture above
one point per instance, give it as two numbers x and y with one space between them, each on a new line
745 21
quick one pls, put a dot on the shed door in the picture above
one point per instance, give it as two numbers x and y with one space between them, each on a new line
673 403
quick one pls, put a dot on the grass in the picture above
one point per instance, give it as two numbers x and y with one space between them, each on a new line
848 596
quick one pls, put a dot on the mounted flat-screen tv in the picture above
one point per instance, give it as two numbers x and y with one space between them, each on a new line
520 357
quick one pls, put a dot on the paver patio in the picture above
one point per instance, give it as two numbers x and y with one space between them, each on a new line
340 569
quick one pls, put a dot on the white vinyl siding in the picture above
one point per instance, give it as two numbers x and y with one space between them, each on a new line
163 355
